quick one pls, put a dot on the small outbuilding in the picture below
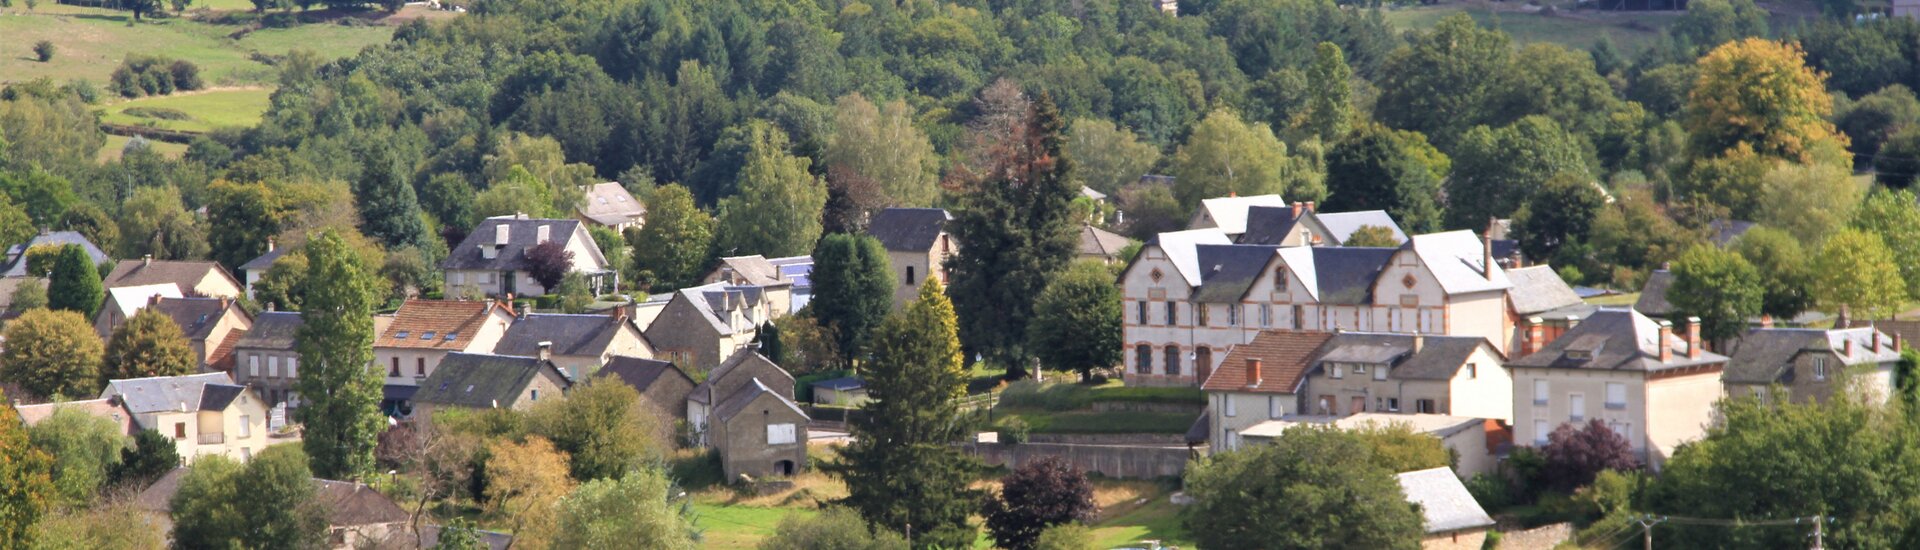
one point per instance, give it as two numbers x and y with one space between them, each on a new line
846 392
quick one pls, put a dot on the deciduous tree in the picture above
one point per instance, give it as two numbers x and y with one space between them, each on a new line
84 448
834 527
1307 490
51 353
150 456
1107 156
672 249
1496 171
1895 217
267 503
1561 213
1330 101
881 144
1761 93
1855 270
1043 493
635 510
1784 271
604 427
1379 236
777 210
149 344
241 218
1076 320
341 393
524 481
548 262
1227 156
1809 201
26 482
1720 288
1377 168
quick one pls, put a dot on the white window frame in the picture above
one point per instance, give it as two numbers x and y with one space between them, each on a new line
273 366
1616 395
1233 315
1380 373
1338 371
1577 407
1819 368
1232 410
1540 432
781 434
292 363
253 366
1274 408
246 426
1266 316
1541 391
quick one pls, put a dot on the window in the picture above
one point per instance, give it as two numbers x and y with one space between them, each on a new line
1576 407
1339 371
1231 409
1624 429
1298 312
458 278
1233 439
1202 359
1360 369
395 371
1380 372
1173 316
1280 279
253 366
1274 408
1266 316
909 275
1233 315
1409 300
1143 311
486 278
420 367
291 363
1539 393
246 454
1539 433
1473 371
179 430
1616 395
1425 406
533 395
402 334
1200 312
1143 359
428 335
780 434
246 425
1819 368
1173 360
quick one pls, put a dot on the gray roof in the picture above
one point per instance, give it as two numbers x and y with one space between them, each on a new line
1228 270
1095 241
610 204
481 380
216 397
1614 339
1343 224
741 399
17 254
196 316
1269 224
1439 358
521 235
1458 260
755 270
1653 297
726 367
1725 231
275 330
1229 214
908 229
570 334
265 261
1179 246
164 393
1338 274
1539 289
1765 356
1444 501
641 373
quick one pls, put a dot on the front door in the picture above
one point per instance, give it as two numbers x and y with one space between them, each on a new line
1359 405
509 284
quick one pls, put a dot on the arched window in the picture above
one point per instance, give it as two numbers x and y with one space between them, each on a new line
1173 360
1143 359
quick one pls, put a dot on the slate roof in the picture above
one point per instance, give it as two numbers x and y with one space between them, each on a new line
641 373
522 233
17 254
1270 224
1457 259
1091 194
754 270
481 380
745 396
711 302
196 316
797 270
1179 246
129 299
264 261
427 324
1337 274
1614 339
610 204
570 334
1095 241
1343 224
1539 289
1439 358
726 367
186 274
164 393
275 330
1653 296
1228 270
908 229
216 397
1284 358
1765 356
1229 214
350 504
1444 501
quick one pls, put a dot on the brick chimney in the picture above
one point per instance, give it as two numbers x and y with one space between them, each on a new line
1254 374
1311 208
1666 332
1297 207
1693 337
1873 342
1766 321
1846 347
1536 336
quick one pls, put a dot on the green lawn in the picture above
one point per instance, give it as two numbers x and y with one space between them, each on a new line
89 43
1088 422
209 110
116 144
1575 29
728 526
1158 519
1626 299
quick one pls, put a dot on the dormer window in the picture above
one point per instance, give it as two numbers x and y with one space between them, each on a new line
1579 354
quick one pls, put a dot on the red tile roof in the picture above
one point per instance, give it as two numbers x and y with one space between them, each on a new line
1284 357
425 324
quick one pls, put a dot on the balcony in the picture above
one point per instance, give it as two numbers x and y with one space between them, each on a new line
213 438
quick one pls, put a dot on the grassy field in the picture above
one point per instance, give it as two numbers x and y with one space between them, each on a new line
116 144
209 110
90 43
1579 29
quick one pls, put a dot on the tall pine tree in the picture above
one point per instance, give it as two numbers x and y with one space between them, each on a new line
341 392
853 284
902 470
389 211
1015 231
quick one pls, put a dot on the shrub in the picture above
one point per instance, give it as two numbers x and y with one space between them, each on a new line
83 89
143 75
43 50
161 113
1012 430
186 75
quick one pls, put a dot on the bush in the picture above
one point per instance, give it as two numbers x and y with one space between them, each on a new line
43 50
83 89
1012 430
161 113
186 75
143 75
1492 491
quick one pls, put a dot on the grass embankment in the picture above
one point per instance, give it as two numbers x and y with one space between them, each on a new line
117 144
192 112
1068 408
90 43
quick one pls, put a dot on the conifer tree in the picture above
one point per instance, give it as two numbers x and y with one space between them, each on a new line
75 285
389 212
854 286
340 390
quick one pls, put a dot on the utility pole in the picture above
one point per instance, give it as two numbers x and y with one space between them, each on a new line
1646 528
1819 532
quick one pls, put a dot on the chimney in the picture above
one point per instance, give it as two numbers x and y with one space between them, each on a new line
44 230
1666 332
1573 321
1536 336
546 350
1846 347
1297 207
1845 320
1254 374
269 244
1486 257
271 306
1693 337
1897 343
1873 342
146 260
1310 207
1233 194
1766 321
155 299
1419 341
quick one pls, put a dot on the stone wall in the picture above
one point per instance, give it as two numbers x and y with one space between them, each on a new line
1146 440
1544 537
1127 462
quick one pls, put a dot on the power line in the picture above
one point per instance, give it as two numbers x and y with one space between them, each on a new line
1647 521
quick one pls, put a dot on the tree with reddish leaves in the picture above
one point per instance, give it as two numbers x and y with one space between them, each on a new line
1575 455
548 263
1042 494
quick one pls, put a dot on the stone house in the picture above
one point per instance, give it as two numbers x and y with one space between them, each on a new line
212 325
194 278
256 268
757 270
425 331
111 409
121 303
492 260
1654 388
1453 519
204 414
485 381
1099 244
357 515
1259 381
701 326
1544 306
1358 372
265 358
659 382
609 204
759 432
737 373
918 247
1815 364
1301 225
578 344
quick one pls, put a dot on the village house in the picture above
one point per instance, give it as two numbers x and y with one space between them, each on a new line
728 379
1814 364
265 358
1471 441
610 205
759 432
660 383
1654 388
578 344
492 260
256 268
1228 215
1260 381
121 303
110 408
701 326
1452 518
425 331
212 326
757 270
1546 306
1099 244
357 515
194 278
1653 295
204 414
485 381
1358 372
1300 225
16 260
918 247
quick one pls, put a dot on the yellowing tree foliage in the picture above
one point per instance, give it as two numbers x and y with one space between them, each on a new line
1762 93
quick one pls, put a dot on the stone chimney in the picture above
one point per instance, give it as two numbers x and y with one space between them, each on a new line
1536 336
146 260
1693 337
546 350
1419 341
1666 332
1486 256
1573 321
1845 319
1766 321
1254 372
